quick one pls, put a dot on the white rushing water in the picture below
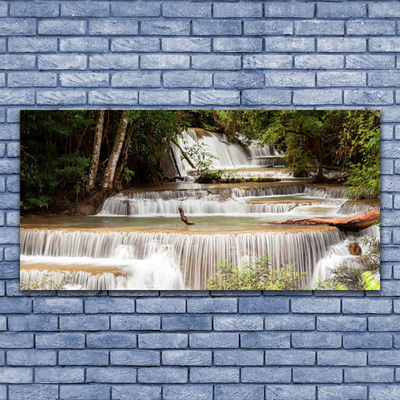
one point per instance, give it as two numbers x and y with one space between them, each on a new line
228 155
149 265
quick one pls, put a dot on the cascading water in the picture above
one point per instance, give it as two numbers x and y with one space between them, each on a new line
228 155
194 256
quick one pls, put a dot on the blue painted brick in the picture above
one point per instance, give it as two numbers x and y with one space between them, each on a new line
180 9
16 340
135 357
163 340
90 45
290 357
16 375
342 358
368 375
384 357
83 357
266 61
367 306
387 134
289 323
64 97
261 96
137 9
31 357
382 10
235 392
317 375
3 322
111 375
344 392
285 45
162 375
367 341
364 27
341 45
193 45
384 78
32 45
186 357
261 340
268 28
98 392
113 61
387 44
214 375
319 61
135 322
342 78
237 10
128 392
214 340
289 79
85 9
61 27
3 9
84 322
341 323
238 357
15 306
18 27
32 391
216 27
382 392
57 306
164 61
2 83
187 323
102 26
13 151
11 254
17 61
288 10
319 27
39 9
60 375
179 392
83 79
214 62
212 305
108 96
219 97
290 392
321 96
111 340
165 27
241 323
345 10
109 306
32 323
370 61
325 306
140 44
61 61
368 97
238 80
237 45
386 323
262 375
316 340
185 79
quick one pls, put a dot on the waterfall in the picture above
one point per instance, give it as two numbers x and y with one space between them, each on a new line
195 254
352 208
334 192
228 155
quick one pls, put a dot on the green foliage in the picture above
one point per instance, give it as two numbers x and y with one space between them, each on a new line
128 174
364 277
255 275
209 176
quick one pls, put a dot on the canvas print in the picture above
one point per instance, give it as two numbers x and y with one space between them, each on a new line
200 200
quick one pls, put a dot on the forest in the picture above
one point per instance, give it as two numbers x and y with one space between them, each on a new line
71 157
200 199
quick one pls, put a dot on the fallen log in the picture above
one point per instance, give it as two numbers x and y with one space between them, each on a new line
185 219
354 223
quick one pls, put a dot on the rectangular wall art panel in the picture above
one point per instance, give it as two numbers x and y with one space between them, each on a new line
197 200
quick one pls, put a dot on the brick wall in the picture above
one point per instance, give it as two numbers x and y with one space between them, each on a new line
200 54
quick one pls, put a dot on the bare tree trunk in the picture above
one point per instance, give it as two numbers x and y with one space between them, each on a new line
109 173
125 153
94 163
184 218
